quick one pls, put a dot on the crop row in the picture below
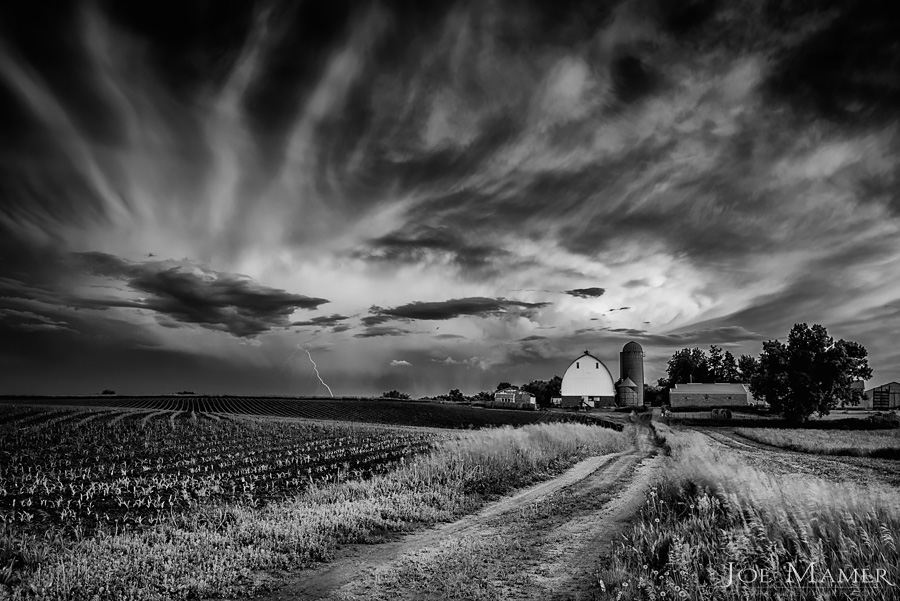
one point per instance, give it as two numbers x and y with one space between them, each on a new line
413 413
86 469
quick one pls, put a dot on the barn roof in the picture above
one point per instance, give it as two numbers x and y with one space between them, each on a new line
885 385
711 388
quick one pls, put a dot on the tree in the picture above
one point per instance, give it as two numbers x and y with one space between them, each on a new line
503 385
108 391
653 395
747 366
688 365
395 394
543 391
730 369
715 364
456 396
810 374
483 397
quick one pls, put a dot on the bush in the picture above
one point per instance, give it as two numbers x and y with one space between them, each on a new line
108 391
885 420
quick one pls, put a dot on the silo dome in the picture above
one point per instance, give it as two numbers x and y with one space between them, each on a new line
632 347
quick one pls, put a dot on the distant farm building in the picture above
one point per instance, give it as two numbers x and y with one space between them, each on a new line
884 397
514 398
587 383
710 395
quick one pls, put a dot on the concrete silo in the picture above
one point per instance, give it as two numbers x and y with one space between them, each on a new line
631 366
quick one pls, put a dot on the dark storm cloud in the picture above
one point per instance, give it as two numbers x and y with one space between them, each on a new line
847 70
433 243
329 320
212 300
458 307
375 320
587 292
532 338
378 331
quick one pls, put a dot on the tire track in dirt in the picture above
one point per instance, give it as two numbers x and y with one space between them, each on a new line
562 527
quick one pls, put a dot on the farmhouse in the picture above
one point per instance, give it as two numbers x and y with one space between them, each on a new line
710 395
513 398
587 383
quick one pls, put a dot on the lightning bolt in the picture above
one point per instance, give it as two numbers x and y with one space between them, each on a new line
315 367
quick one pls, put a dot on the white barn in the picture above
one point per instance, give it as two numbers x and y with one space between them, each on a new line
588 382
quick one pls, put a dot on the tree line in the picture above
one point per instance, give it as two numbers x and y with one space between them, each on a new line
543 391
809 373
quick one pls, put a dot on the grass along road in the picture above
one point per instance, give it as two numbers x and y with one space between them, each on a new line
544 542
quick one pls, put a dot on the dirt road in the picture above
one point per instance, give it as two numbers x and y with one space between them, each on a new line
545 542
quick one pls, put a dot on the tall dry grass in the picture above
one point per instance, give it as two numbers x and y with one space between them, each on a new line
712 511
218 551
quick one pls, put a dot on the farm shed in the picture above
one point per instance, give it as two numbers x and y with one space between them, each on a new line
884 397
587 382
709 395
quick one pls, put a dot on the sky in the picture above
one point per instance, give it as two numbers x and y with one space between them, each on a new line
437 195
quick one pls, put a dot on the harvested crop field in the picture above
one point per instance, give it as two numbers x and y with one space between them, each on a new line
860 443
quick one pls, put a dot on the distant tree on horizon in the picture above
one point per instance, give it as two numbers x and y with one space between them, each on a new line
503 385
395 394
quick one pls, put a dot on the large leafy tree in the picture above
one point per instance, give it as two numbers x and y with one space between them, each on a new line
812 373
